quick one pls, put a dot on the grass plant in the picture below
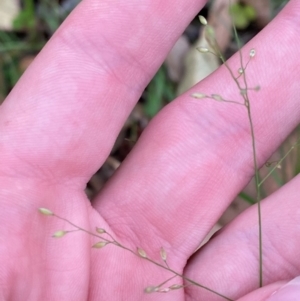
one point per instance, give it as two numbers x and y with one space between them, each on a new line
241 82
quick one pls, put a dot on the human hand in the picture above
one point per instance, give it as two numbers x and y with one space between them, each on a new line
60 122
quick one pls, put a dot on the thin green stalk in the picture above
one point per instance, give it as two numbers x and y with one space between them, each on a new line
258 198
247 198
210 37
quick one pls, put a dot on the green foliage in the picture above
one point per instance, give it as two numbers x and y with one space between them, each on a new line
247 198
37 22
159 91
8 63
242 15
12 49
26 18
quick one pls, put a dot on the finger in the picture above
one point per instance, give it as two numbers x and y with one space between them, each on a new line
289 291
196 155
64 115
263 293
229 263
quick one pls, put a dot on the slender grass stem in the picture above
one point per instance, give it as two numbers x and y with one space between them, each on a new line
244 92
258 197
118 244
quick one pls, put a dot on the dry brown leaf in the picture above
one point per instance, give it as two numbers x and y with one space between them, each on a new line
198 66
9 9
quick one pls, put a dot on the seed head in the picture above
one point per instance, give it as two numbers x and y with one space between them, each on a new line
100 244
45 211
202 20
217 97
151 289
199 95
59 234
175 286
252 52
163 254
141 253
100 230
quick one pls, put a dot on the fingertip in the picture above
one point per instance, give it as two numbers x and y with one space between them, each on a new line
288 292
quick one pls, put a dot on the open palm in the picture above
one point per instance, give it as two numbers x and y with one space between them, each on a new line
60 122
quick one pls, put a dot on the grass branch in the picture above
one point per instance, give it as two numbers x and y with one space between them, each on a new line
139 253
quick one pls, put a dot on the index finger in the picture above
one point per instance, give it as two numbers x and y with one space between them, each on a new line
65 113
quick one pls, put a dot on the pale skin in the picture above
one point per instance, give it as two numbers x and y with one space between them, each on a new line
60 122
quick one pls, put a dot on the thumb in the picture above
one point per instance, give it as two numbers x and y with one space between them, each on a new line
288 292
